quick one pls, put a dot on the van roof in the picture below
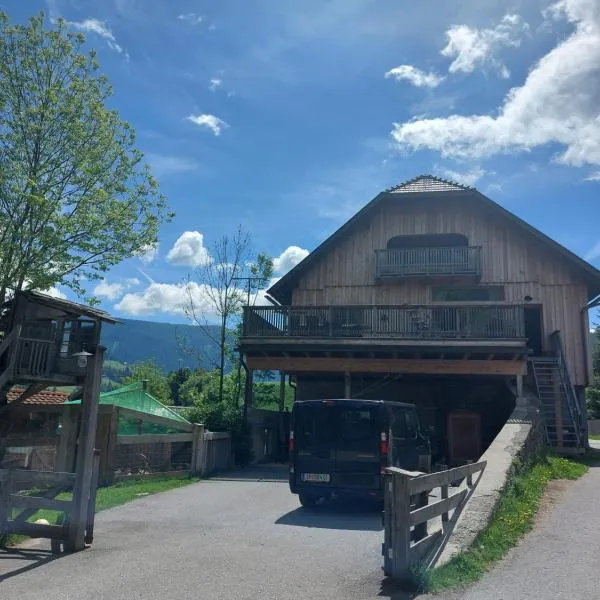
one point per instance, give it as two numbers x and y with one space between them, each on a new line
351 402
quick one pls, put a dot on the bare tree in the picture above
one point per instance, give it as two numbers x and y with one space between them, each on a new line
214 291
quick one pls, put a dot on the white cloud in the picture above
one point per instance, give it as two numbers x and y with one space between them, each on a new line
113 291
557 104
215 84
99 28
170 298
193 18
415 76
148 253
288 259
164 165
593 176
213 123
55 293
110 291
472 48
189 250
469 178
593 253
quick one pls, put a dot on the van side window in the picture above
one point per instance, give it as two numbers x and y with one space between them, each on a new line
404 424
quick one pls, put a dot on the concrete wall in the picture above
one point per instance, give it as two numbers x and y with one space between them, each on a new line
520 439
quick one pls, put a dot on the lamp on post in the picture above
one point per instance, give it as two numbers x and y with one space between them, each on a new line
82 358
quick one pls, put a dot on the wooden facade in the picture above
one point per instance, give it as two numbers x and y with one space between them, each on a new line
529 273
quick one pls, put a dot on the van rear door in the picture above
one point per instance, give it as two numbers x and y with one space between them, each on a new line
357 446
314 445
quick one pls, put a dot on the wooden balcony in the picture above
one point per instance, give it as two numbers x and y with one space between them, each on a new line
414 322
451 261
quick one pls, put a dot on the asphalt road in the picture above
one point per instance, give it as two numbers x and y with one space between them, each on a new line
232 540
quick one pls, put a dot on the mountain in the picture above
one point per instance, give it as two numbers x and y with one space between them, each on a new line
170 346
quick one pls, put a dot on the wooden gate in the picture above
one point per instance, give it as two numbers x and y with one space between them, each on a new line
23 493
407 543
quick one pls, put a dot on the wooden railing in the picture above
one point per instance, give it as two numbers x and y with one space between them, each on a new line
407 544
35 357
570 394
426 262
394 322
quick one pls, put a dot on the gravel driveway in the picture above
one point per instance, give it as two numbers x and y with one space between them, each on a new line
219 539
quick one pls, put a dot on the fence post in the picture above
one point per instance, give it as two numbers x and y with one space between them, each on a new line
198 449
5 485
398 514
91 511
67 443
85 452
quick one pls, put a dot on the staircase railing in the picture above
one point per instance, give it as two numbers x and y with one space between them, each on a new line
536 382
571 396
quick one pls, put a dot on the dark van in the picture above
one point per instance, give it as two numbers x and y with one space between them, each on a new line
340 448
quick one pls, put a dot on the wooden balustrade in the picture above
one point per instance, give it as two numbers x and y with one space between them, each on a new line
428 262
394 322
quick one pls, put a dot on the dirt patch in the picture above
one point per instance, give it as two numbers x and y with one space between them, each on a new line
555 490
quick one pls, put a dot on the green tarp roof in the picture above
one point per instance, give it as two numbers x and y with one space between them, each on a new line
134 396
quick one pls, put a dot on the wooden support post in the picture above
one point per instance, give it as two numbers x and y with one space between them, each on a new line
400 529
85 452
5 490
519 386
420 531
198 449
281 391
347 385
91 510
108 466
65 455
444 489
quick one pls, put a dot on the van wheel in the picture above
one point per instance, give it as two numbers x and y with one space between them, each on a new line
308 501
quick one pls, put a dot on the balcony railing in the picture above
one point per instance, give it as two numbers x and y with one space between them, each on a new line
393 322
429 262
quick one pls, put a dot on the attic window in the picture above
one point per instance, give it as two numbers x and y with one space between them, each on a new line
438 240
468 294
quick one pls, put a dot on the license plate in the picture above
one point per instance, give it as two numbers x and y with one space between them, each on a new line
316 477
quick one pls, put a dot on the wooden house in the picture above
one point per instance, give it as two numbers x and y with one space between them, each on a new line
434 294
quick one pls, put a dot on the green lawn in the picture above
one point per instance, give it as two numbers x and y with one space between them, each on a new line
514 517
114 495
593 436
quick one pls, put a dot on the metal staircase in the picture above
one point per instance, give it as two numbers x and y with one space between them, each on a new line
559 406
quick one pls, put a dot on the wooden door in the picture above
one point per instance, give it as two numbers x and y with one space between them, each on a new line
464 437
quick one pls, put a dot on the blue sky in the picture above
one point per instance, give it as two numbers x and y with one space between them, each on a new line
287 116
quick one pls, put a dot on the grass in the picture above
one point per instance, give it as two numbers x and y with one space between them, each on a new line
110 496
513 518
593 436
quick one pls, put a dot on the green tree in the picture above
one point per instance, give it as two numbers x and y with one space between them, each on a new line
157 382
176 379
75 195
593 391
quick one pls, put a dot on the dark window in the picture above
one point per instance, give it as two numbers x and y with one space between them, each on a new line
438 240
467 294
404 424
312 431
356 430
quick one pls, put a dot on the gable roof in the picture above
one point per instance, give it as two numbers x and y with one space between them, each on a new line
429 187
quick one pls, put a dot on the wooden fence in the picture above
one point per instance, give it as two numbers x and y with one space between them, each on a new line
407 544
23 493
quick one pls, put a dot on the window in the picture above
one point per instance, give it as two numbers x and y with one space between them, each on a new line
467 294
438 240
404 424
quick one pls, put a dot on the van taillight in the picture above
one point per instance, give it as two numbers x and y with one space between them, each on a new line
291 442
383 444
